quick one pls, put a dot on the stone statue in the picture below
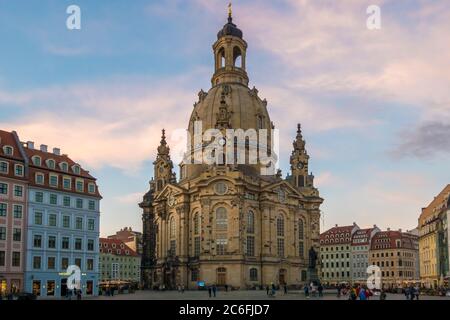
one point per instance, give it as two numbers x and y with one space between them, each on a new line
312 258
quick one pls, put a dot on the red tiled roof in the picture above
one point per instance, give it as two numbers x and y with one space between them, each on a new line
7 139
363 235
387 240
337 235
117 247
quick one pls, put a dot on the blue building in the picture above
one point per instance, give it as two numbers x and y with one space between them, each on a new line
63 224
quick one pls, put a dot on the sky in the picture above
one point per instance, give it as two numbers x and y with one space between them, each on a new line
374 104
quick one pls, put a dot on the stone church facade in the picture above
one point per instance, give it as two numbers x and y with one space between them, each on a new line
227 224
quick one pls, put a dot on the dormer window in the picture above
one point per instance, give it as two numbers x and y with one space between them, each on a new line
64 166
36 160
113 245
127 252
8 150
51 164
76 169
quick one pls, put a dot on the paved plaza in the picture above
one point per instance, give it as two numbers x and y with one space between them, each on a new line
241 295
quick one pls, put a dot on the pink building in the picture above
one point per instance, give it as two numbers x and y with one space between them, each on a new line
13 209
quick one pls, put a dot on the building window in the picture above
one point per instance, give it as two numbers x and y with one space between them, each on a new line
36 262
91 224
66 221
78 262
39 178
65 243
91 205
18 191
251 246
17 234
90 264
66 201
221 245
36 161
52 220
64 166
173 227
67 183
51 163
4 167
64 263
301 249
3 209
78 243
53 199
39 197
250 222
79 203
194 275
173 247
3 188
38 218
37 241
79 223
301 230
51 263
221 219
8 150
196 224
2 233
220 188
2 258
53 181
253 274
76 169
15 259
280 226
80 186
18 170
17 211
197 246
91 188
51 242
280 247
90 245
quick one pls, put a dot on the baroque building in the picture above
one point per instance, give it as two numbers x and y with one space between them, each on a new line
230 222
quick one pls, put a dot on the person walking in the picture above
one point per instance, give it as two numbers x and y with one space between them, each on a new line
362 294
267 289
226 288
285 289
79 294
306 290
339 291
209 291
214 290
352 295
320 289
383 295
416 292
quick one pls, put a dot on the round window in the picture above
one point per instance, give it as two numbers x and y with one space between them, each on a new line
221 188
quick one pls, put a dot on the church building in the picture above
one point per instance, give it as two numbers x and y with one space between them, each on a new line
227 223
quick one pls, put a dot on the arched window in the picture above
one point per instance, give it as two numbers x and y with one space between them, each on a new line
253 274
196 224
280 236
237 57
250 222
173 227
280 226
221 219
301 230
51 163
221 58
36 160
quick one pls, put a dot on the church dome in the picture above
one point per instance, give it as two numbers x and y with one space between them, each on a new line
230 29
231 105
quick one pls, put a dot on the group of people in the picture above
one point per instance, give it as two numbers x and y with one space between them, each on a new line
212 290
312 290
272 289
412 292
75 292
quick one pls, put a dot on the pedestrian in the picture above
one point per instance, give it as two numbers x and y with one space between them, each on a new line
352 295
407 293
209 291
182 288
306 290
79 294
362 294
417 292
320 289
273 290
383 295
339 291
267 289
285 289
214 290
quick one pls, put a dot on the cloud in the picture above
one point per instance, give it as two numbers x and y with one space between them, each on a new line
131 198
425 141
115 123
